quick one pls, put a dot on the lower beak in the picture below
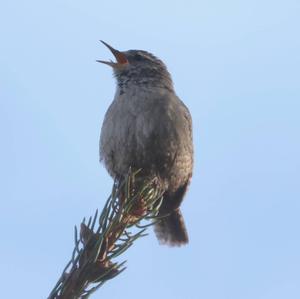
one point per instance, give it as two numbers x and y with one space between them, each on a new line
120 57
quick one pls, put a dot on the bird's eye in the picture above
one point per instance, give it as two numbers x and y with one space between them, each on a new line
138 57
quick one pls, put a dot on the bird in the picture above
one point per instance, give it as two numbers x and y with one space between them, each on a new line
148 127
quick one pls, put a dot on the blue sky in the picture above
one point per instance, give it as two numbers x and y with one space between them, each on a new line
235 64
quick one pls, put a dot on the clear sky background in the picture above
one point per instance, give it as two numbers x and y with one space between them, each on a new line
236 65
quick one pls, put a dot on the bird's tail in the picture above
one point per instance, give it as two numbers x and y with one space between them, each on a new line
171 230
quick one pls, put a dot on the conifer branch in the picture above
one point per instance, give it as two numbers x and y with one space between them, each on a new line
103 238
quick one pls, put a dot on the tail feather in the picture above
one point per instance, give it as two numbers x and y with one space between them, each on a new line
171 230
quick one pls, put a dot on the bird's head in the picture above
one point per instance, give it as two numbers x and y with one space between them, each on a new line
138 67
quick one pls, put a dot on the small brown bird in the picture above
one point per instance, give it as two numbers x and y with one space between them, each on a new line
148 127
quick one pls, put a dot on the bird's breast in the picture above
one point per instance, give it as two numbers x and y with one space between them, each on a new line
145 130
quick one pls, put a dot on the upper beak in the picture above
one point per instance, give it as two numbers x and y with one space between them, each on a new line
120 57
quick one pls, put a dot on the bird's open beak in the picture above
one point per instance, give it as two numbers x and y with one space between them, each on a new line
120 57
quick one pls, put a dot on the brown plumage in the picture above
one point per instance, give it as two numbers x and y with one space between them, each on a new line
148 127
